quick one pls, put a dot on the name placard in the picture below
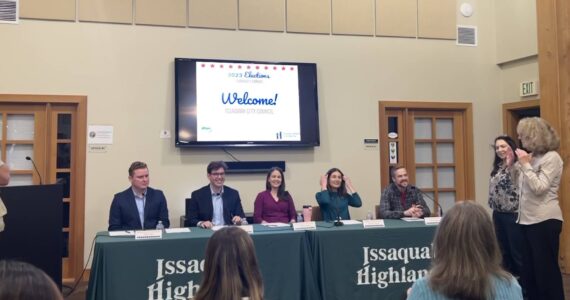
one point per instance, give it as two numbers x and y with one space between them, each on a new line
373 223
432 220
148 234
247 228
305 226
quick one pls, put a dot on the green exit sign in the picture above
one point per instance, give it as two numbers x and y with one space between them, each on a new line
529 88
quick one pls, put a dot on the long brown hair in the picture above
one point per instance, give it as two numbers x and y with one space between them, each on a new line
342 189
498 162
466 254
282 194
20 280
231 270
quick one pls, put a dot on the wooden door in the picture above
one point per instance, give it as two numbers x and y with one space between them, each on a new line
51 131
434 142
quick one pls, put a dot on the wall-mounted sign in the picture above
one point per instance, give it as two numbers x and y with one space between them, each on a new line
529 88
370 144
100 135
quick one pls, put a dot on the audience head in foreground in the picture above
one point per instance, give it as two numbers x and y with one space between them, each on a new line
22 281
466 261
231 271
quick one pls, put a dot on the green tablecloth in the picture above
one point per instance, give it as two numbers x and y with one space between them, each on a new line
346 262
376 263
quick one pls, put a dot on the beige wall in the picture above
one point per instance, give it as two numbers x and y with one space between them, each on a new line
127 73
515 72
516 29
516 46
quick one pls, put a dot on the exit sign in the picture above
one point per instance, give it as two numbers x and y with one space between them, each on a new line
529 88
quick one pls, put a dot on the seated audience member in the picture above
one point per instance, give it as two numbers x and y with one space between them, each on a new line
22 281
139 206
274 204
336 195
401 199
466 260
4 180
215 204
231 271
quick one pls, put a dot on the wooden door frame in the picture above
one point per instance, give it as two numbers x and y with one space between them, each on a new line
466 108
510 117
80 102
554 77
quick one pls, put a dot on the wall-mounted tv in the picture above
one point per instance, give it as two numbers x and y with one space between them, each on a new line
231 103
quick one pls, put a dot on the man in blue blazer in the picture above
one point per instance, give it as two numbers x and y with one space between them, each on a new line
139 206
215 204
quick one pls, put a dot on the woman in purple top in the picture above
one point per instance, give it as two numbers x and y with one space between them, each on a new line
274 204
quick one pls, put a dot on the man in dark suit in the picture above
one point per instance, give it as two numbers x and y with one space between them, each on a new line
215 204
139 206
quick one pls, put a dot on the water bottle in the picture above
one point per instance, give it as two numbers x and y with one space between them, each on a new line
299 218
307 213
160 226
369 216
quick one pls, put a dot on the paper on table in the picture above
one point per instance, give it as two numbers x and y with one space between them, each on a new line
276 224
122 233
409 219
218 227
351 222
176 230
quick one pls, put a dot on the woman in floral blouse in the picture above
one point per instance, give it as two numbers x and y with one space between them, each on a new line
504 200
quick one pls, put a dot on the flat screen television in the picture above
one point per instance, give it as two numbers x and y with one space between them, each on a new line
231 103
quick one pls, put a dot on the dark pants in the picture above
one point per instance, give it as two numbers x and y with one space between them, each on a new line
541 275
510 238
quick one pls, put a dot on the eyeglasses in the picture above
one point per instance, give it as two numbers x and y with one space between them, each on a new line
218 174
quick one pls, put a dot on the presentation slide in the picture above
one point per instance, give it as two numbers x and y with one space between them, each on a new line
247 102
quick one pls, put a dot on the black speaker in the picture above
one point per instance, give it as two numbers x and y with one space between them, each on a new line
253 166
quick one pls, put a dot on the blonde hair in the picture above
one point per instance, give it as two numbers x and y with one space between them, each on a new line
231 270
539 136
466 254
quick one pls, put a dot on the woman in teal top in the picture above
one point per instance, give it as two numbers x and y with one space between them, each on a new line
466 260
336 195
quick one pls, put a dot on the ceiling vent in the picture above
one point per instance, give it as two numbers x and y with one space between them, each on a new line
467 36
9 11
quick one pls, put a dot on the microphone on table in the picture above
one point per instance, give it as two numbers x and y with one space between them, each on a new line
439 209
338 221
36 168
